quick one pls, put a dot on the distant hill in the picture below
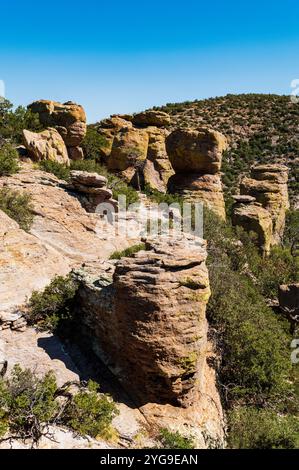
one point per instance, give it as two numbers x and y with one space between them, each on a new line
260 128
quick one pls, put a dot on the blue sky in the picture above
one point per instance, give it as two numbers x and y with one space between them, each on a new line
125 56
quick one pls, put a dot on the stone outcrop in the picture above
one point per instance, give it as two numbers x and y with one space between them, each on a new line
157 158
144 317
151 118
196 150
68 118
129 149
196 157
92 188
268 185
46 145
149 324
63 236
250 215
26 264
137 152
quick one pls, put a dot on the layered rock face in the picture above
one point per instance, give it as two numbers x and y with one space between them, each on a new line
92 188
268 185
149 323
250 215
46 145
136 149
63 236
26 263
68 118
196 157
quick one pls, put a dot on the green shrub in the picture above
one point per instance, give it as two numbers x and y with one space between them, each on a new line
28 404
128 252
92 143
9 160
291 232
52 308
174 440
58 169
91 413
17 206
253 341
251 428
12 123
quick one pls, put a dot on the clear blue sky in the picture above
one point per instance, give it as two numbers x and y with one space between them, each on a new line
125 56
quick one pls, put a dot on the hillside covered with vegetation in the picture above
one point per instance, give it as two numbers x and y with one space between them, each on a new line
260 129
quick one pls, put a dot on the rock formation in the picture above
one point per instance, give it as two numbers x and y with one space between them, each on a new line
68 118
151 118
144 317
92 188
268 184
263 202
63 236
250 215
196 159
149 324
137 152
46 145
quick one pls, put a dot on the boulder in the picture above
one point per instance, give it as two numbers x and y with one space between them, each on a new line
107 128
196 150
91 188
254 218
129 149
46 145
156 153
151 118
196 156
68 118
86 178
76 153
268 185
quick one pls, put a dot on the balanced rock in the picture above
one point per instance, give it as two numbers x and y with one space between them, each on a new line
46 145
151 118
129 149
254 218
92 189
196 156
157 155
68 118
148 324
196 150
107 129
268 184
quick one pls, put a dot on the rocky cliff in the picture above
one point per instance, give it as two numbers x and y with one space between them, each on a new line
134 146
263 203
196 156
145 319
